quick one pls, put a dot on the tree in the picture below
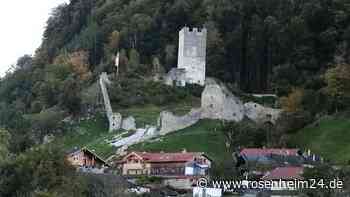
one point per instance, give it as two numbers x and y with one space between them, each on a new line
70 97
46 121
4 145
338 84
78 61
41 171
170 56
134 60
25 62
293 102
322 174
244 134
114 40
112 47
80 64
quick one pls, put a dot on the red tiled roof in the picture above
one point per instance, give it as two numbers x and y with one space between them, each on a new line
268 151
284 173
168 157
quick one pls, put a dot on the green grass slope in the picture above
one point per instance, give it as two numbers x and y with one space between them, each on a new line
205 136
94 134
330 139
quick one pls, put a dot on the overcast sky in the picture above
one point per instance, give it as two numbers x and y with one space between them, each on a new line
22 25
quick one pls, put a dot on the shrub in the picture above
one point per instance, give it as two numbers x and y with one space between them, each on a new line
130 92
293 102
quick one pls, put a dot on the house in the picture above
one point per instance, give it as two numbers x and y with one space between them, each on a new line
284 173
283 178
85 158
207 192
179 164
270 155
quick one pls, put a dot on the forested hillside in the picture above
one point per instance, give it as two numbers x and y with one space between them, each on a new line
258 45
297 49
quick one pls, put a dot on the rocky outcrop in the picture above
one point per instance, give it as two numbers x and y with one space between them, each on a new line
129 123
169 122
261 114
219 103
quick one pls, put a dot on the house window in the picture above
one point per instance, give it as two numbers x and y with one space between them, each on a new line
132 172
138 172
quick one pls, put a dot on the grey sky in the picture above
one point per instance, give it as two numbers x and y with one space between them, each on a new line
22 25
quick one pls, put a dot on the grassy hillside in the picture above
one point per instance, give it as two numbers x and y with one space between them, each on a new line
330 138
149 114
205 136
94 134
91 134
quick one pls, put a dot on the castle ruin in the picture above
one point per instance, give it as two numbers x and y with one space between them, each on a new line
191 58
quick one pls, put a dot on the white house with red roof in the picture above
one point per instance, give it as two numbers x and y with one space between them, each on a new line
180 164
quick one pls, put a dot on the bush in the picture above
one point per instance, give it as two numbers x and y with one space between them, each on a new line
46 121
40 169
149 180
130 92
293 102
292 122
244 134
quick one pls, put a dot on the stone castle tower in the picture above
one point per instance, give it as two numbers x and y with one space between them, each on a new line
192 54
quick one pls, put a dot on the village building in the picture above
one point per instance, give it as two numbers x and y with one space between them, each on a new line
271 156
284 178
181 164
284 173
85 158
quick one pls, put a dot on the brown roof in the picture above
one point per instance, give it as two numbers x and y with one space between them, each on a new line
88 151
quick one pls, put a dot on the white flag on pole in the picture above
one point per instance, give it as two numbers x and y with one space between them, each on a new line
117 60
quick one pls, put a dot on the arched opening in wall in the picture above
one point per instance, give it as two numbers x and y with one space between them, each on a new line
269 116
268 124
